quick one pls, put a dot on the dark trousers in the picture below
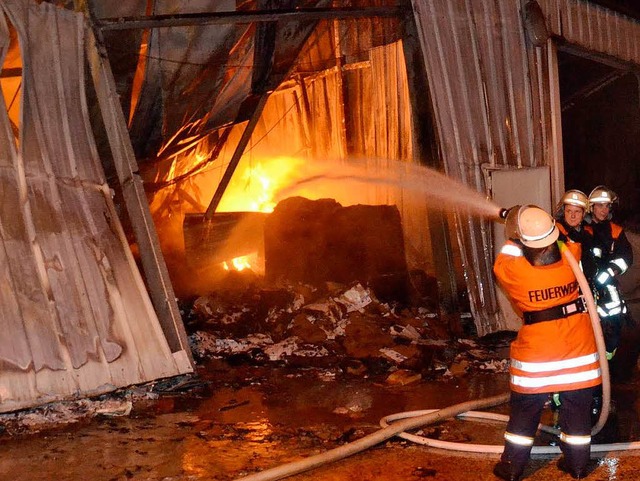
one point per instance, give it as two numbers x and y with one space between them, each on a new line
612 331
574 419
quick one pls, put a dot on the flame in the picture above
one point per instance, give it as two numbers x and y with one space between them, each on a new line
254 188
241 263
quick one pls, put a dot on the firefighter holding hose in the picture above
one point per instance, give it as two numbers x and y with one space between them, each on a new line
555 350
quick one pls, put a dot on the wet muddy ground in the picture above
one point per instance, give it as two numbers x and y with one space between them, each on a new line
282 376
230 421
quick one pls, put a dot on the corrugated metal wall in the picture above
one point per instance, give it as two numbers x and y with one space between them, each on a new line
491 108
594 28
495 99
74 313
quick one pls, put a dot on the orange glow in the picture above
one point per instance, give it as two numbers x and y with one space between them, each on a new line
253 187
239 263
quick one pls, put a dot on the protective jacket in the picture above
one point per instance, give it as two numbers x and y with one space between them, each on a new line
555 349
610 247
612 255
568 233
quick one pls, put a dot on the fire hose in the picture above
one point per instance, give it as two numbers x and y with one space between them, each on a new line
398 424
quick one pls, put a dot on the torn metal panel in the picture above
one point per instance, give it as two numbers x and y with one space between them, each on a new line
76 315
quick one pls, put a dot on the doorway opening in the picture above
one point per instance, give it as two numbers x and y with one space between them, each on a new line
600 102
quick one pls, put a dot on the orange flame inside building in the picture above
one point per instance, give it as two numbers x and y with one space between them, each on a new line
253 189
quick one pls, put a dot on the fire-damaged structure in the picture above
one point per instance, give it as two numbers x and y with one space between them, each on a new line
166 132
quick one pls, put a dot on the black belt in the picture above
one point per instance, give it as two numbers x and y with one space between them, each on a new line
556 312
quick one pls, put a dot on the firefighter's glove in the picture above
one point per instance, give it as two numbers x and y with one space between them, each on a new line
604 277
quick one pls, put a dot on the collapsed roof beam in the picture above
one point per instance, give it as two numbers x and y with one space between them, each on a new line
211 18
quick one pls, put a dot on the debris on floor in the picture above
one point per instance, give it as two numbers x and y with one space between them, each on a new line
337 330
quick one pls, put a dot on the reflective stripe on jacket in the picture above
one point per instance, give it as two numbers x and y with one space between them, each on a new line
555 355
610 246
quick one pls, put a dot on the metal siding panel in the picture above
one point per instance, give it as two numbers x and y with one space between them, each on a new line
626 42
450 49
607 20
493 83
75 280
512 121
593 27
582 31
483 131
602 36
569 23
610 23
529 111
588 20
468 86
478 99
443 96
557 8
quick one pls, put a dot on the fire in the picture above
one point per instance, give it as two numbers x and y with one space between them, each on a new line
264 200
239 264
253 188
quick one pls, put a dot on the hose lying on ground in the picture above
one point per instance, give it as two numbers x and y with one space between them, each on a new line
415 419
372 439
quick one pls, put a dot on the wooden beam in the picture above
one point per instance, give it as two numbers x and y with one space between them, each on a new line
261 85
235 159
212 18
591 88
157 275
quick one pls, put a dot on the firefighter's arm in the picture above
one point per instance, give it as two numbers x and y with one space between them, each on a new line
620 260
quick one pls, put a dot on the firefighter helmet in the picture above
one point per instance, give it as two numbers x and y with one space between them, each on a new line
575 197
535 227
602 195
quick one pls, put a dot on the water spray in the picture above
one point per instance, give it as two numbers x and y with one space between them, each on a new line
440 191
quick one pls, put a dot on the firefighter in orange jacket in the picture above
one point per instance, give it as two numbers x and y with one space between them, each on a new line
555 350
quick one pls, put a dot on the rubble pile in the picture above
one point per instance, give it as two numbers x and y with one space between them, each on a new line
301 325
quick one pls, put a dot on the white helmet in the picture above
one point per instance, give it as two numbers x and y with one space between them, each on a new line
575 197
602 195
535 227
